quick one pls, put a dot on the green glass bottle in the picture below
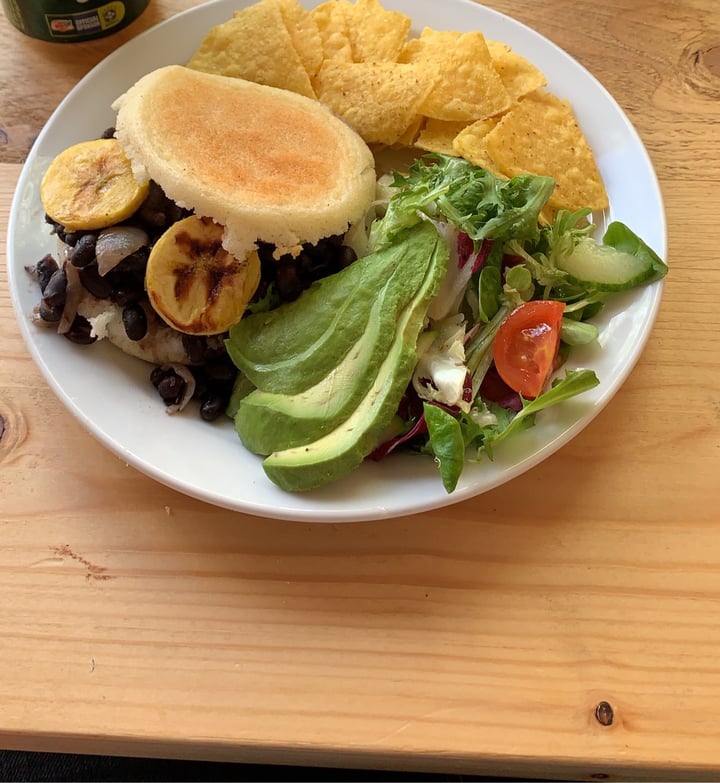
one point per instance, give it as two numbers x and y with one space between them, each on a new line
72 20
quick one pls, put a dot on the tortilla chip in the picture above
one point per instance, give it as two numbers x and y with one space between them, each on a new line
468 86
304 34
376 35
470 144
331 19
438 135
247 47
519 75
408 137
379 100
540 135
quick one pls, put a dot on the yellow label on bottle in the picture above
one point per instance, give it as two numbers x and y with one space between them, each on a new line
111 14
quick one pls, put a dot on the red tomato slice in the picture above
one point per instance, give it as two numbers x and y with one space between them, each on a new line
526 345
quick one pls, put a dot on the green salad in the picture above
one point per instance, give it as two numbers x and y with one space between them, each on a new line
444 338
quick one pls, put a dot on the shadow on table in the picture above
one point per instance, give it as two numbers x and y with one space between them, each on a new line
24 767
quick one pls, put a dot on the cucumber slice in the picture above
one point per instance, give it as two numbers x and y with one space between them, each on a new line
604 268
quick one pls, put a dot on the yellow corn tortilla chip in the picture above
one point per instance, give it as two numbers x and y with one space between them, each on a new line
410 134
469 143
438 135
376 35
468 86
519 75
304 34
540 135
379 99
249 45
331 19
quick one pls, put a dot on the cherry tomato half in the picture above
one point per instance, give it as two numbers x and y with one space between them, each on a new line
526 345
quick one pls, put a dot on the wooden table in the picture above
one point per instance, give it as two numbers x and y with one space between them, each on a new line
564 625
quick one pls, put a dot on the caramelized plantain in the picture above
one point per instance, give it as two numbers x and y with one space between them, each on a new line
91 185
194 284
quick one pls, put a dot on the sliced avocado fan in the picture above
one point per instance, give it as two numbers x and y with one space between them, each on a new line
271 421
319 427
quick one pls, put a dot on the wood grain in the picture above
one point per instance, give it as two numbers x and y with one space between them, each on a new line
476 639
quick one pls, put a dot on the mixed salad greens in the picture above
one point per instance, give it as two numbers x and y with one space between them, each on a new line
516 294
512 260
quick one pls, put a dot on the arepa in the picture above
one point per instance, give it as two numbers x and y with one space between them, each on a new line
267 164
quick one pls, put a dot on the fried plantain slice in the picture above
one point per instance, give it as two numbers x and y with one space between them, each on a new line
91 185
193 283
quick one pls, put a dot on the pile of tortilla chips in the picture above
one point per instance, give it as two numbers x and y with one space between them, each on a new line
443 91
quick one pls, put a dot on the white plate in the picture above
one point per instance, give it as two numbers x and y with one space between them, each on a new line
110 393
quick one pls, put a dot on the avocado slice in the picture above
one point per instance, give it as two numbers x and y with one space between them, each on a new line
295 346
269 421
341 450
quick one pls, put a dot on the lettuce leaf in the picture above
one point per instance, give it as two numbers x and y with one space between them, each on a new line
472 198
446 443
450 434
575 382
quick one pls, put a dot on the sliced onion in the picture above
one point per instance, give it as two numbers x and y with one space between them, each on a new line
73 293
116 243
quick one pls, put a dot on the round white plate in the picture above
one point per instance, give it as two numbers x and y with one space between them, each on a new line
110 394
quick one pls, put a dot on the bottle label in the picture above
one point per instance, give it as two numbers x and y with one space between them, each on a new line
85 23
71 20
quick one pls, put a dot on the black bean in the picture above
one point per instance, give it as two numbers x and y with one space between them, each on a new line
108 133
135 322
287 280
127 296
127 279
346 256
135 263
175 213
54 293
44 270
157 375
98 286
60 231
80 331
171 388
265 252
49 314
158 211
222 371
83 252
202 389
313 264
212 407
70 237
152 218
125 287
329 252
195 347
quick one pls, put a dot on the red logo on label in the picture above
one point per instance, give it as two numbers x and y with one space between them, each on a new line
61 25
